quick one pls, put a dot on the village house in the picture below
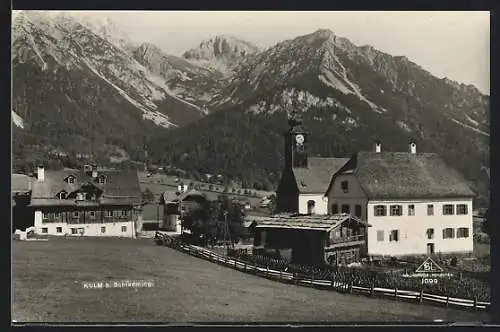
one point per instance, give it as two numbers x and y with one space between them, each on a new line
176 204
414 201
304 180
90 202
312 239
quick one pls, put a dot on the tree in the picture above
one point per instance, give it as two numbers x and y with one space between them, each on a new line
147 196
486 226
273 203
209 220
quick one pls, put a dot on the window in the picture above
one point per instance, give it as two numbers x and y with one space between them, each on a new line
310 207
448 209
124 229
357 210
62 195
344 185
92 214
411 210
76 214
57 215
109 213
335 208
103 229
71 179
430 233
45 215
102 179
430 209
346 208
59 229
380 210
74 231
462 232
448 233
380 236
394 236
462 209
396 210
45 230
124 213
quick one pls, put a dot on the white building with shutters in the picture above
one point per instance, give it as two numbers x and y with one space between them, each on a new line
415 203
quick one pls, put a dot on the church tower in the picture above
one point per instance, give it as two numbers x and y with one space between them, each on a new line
296 145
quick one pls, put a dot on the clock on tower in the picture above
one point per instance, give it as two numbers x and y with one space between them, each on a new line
295 146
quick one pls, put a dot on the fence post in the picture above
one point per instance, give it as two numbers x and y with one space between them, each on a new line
372 289
312 278
245 266
235 263
281 275
267 272
447 300
475 302
421 295
350 287
396 292
331 282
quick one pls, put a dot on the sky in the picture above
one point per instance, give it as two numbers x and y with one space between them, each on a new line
447 44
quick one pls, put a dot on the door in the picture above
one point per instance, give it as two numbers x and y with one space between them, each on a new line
430 248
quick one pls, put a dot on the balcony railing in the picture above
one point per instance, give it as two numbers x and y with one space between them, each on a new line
345 239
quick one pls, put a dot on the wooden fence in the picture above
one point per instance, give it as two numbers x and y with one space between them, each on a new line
309 280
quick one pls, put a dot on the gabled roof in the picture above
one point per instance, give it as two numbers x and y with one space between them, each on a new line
171 196
316 177
392 175
21 183
120 185
308 222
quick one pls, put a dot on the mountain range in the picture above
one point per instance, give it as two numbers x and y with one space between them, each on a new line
81 86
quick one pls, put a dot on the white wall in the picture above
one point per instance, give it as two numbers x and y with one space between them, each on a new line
412 229
354 196
321 203
94 229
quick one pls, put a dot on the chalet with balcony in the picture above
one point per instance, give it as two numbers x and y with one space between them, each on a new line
91 202
312 239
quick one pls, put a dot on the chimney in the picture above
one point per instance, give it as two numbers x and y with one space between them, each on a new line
378 146
40 173
413 147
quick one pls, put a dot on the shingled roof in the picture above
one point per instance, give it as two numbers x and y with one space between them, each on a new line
120 187
389 175
316 176
21 183
309 222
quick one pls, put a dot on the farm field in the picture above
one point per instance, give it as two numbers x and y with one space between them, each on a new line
47 287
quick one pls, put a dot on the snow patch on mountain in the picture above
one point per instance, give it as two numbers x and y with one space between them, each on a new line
18 121
470 127
474 122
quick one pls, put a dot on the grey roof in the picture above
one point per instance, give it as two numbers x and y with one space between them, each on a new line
316 177
309 222
171 196
388 175
21 183
121 187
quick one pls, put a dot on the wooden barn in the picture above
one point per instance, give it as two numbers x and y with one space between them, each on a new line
312 239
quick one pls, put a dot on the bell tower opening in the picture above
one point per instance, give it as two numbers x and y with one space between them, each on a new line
296 145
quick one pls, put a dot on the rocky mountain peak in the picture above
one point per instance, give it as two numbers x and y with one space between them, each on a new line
221 52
